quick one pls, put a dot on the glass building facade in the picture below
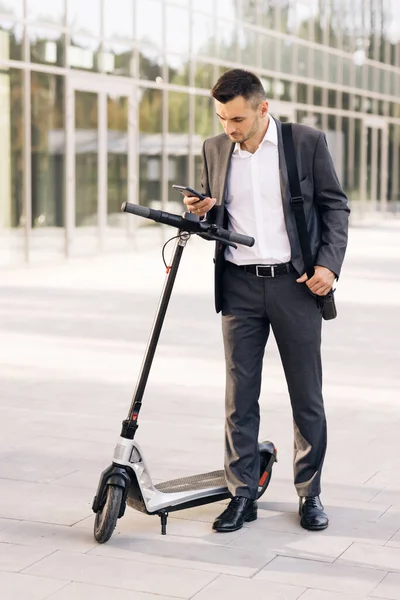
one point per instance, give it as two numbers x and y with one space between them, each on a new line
103 101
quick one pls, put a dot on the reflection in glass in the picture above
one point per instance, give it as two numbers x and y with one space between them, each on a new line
269 14
268 52
204 75
227 9
286 55
177 141
203 37
204 116
48 11
83 53
12 170
149 22
177 30
48 149
117 59
178 69
117 159
150 63
85 16
226 40
248 41
86 158
150 146
118 20
47 46
14 8
206 6
11 41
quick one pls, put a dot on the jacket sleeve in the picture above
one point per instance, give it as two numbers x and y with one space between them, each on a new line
333 209
205 185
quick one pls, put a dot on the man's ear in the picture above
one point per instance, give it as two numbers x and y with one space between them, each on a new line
264 108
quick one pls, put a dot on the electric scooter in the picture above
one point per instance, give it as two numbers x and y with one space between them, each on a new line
127 480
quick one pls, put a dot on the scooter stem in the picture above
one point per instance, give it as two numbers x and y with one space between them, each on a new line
130 425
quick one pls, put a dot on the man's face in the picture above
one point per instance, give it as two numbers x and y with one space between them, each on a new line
240 118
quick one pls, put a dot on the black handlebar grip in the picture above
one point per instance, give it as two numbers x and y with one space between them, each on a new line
238 238
135 209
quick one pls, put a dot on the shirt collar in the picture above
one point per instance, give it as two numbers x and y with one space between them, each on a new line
271 136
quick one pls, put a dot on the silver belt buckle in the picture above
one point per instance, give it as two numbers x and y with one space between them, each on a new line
272 267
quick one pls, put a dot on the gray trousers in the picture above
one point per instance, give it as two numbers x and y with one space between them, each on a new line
251 305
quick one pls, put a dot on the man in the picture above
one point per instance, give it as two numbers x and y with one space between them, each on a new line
246 184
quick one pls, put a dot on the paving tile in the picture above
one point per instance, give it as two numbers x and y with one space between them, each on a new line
42 535
311 546
15 557
389 588
368 555
324 576
237 588
187 553
7 523
140 577
15 586
83 591
34 466
47 503
320 595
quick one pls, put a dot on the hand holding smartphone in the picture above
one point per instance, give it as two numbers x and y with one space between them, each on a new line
189 192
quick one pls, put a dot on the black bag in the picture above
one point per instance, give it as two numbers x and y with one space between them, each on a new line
326 303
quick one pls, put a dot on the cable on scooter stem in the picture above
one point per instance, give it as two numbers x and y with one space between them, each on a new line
209 230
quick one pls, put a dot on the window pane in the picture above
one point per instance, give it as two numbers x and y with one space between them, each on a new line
48 149
118 23
86 158
227 9
178 69
85 16
206 6
150 146
149 26
177 141
203 38
14 8
204 75
177 30
117 158
83 53
12 218
247 40
118 59
47 46
11 36
50 11
150 63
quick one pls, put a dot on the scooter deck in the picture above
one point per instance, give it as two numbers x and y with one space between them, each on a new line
214 479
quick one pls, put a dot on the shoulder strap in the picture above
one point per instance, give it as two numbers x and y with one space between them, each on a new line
297 200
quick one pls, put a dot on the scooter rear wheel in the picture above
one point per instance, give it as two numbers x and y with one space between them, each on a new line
107 517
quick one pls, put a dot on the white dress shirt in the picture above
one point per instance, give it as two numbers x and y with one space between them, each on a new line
254 203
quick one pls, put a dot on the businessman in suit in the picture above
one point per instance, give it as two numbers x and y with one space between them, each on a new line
246 184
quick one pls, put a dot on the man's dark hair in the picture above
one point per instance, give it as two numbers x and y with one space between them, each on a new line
238 82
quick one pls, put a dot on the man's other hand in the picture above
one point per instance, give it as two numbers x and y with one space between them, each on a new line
321 282
199 207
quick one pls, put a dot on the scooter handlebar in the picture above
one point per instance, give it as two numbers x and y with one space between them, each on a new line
236 238
193 226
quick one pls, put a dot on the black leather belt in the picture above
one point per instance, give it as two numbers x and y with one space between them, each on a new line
268 270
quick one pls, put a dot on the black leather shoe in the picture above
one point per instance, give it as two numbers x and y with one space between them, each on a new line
239 510
312 514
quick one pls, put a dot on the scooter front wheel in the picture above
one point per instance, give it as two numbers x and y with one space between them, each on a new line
107 517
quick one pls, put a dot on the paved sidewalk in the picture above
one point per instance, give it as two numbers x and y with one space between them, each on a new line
72 340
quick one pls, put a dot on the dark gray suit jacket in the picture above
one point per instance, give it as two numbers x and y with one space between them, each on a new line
325 203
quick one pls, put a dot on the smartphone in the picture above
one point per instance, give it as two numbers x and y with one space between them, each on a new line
187 191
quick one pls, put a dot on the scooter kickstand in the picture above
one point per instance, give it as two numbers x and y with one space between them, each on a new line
163 516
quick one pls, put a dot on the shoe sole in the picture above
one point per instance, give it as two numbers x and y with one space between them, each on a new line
249 519
314 528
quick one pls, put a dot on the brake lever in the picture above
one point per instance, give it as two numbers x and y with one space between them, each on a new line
215 238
